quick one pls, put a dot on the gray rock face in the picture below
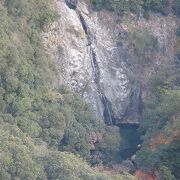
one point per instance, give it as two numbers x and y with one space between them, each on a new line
83 46
88 60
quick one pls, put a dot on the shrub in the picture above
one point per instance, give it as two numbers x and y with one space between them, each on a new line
165 173
159 127
141 45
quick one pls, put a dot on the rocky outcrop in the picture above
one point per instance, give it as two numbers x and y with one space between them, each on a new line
83 46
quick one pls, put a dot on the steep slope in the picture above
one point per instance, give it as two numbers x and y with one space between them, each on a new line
122 57
88 67
37 121
122 61
109 59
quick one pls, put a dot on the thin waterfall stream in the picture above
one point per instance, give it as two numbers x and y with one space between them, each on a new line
129 133
108 117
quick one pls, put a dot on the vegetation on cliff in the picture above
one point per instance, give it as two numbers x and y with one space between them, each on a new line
138 6
40 127
160 126
38 122
160 122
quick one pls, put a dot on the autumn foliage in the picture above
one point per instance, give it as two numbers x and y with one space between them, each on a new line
144 176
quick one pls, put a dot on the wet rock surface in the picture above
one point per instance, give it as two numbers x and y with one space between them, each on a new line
83 46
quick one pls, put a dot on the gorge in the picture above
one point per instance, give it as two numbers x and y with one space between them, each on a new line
89 89
99 69
103 62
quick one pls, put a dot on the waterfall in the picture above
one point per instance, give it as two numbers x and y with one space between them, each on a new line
96 73
107 111
107 114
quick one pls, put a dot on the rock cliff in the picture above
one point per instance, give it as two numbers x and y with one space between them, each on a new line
91 53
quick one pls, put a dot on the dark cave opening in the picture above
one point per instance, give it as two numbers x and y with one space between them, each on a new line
130 140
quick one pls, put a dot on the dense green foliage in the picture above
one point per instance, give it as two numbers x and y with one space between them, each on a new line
160 126
137 6
26 91
17 154
21 158
41 127
176 7
35 118
121 6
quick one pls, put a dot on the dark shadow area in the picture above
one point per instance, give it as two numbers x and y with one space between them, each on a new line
130 139
72 4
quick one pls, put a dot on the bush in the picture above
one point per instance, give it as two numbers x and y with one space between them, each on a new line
120 6
60 165
67 166
165 173
160 128
17 158
30 110
75 140
108 147
136 6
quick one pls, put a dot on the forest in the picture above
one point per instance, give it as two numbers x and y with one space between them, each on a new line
47 132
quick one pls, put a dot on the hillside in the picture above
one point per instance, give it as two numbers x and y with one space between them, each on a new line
89 89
